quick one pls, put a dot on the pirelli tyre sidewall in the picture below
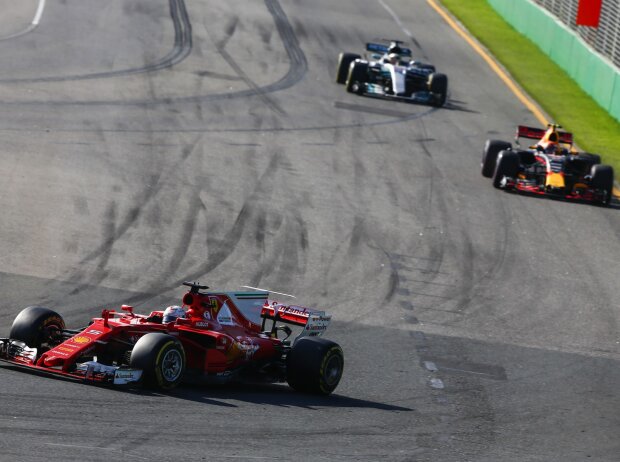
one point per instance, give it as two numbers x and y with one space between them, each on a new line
161 358
507 166
344 62
357 77
603 180
438 86
315 365
36 326
489 156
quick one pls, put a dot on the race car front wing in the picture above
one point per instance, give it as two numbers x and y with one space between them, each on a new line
19 354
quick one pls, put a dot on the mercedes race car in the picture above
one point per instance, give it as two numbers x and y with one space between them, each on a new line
551 166
216 337
390 72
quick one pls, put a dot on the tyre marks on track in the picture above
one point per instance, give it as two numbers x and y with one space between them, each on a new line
281 246
298 66
115 227
181 49
221 48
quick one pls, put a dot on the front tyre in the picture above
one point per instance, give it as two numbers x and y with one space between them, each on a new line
344 62
438 86
37 326
507 166
603 181
314 365
161 358
489 156
357 77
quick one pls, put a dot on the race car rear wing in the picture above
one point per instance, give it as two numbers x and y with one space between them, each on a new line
382 48
538 134
314 322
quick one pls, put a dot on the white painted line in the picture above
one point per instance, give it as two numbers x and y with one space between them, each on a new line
467 372
37 16
32 26
396 18
431 366
270 291
437 383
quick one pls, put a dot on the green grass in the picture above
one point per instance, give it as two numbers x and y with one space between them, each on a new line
566 103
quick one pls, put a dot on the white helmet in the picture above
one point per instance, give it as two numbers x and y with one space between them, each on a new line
173 312
394 58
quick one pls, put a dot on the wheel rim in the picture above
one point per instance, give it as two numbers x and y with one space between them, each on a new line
333 370
172 365
51 333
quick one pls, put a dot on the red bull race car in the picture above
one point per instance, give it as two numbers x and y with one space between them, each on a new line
551 166
390 72
215 337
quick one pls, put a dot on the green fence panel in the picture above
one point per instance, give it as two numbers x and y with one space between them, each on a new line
541 30
504 7
614 107
604 76
582 67
561 50
519 18
580 53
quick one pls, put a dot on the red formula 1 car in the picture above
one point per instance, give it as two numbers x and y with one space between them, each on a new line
552 166
219 337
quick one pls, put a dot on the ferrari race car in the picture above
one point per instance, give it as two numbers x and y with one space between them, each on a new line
390 72
216 337
551 166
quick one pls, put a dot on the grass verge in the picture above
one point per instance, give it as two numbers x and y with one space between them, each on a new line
566 103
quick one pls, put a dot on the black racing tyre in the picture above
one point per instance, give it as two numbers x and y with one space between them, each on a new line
357 76
603 180
489 156
438 86
161 358
344 62
507 165
314 365
37 326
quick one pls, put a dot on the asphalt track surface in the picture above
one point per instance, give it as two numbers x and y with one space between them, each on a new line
149 142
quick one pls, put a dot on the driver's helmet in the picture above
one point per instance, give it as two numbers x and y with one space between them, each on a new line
173 312
552 148
395 49
394 58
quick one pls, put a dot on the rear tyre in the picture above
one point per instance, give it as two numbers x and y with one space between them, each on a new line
314 365
438 85
507 166
344 62
161 358
357 76
603 180
37 326
489 156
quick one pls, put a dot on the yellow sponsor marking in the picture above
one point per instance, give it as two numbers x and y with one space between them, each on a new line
521 96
